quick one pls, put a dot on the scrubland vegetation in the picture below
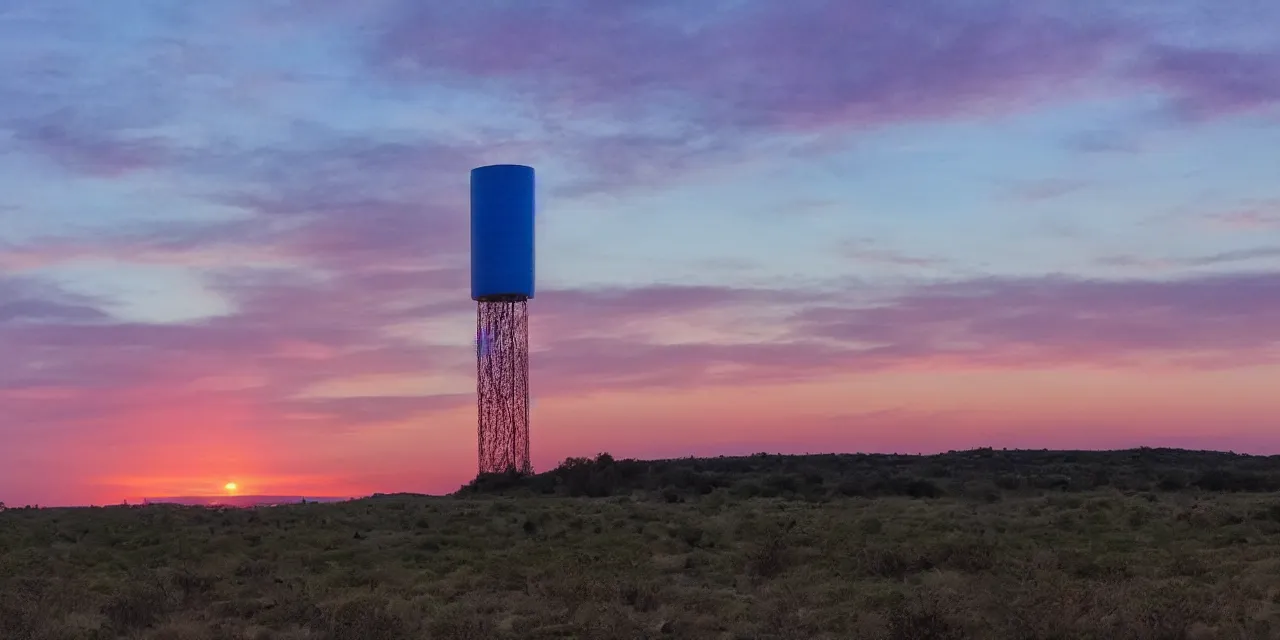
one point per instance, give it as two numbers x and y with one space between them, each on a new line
1145 544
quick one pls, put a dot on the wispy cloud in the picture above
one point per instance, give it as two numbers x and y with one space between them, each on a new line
695 84
1264 216
83 147
1047 189
1208 83
1213 259
711 67
870 252
1209 320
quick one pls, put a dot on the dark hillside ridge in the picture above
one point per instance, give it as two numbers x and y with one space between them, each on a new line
985 474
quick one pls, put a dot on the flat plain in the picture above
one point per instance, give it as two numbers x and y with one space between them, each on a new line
1151 545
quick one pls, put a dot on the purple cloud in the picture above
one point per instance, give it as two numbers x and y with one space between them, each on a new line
329 202
27 299
815 62
691 82
1214 83
342 203
1204 322
288 333
625 95
1210 320
36 309
92 152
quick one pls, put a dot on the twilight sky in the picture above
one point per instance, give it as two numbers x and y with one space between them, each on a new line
233 235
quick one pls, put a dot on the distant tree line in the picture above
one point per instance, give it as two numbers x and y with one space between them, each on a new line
984 474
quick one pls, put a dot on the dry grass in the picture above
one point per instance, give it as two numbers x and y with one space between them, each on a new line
1086 565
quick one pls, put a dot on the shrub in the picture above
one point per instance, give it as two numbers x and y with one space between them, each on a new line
137 606
923 621
769 559
746 489
851 488
923 489
1235 481
781 483
363 619
1172 481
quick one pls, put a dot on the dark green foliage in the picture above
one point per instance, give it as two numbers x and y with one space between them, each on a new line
926 620
137 605
981 474
365 618
769 558
1237 480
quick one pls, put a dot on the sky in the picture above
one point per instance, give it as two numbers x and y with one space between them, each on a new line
234 235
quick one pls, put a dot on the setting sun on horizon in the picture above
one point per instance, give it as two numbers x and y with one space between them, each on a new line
820 226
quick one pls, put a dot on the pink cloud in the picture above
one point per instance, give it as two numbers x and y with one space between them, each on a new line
242 382
1266 216
583 342
1209 321
565 313
351 414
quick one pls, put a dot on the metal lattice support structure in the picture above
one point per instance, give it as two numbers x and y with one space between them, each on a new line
502 384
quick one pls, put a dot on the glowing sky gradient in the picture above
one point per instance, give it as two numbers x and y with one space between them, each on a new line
234 233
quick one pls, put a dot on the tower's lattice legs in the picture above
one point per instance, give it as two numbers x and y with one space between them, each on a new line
502 385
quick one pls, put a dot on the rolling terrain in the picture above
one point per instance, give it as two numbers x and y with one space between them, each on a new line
1143 544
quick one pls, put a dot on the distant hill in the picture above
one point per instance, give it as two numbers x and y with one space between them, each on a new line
985 474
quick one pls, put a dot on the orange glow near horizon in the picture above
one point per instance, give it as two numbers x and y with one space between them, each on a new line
905 411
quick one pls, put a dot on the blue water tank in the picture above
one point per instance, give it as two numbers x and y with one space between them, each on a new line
502 232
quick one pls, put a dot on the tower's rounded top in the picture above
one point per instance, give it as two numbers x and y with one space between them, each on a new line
503 166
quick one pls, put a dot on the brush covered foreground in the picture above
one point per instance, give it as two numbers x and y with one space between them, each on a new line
1021 563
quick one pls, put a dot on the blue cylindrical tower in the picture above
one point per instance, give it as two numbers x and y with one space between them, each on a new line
502 208
502 203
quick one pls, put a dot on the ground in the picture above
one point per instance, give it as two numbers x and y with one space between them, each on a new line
1098 563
